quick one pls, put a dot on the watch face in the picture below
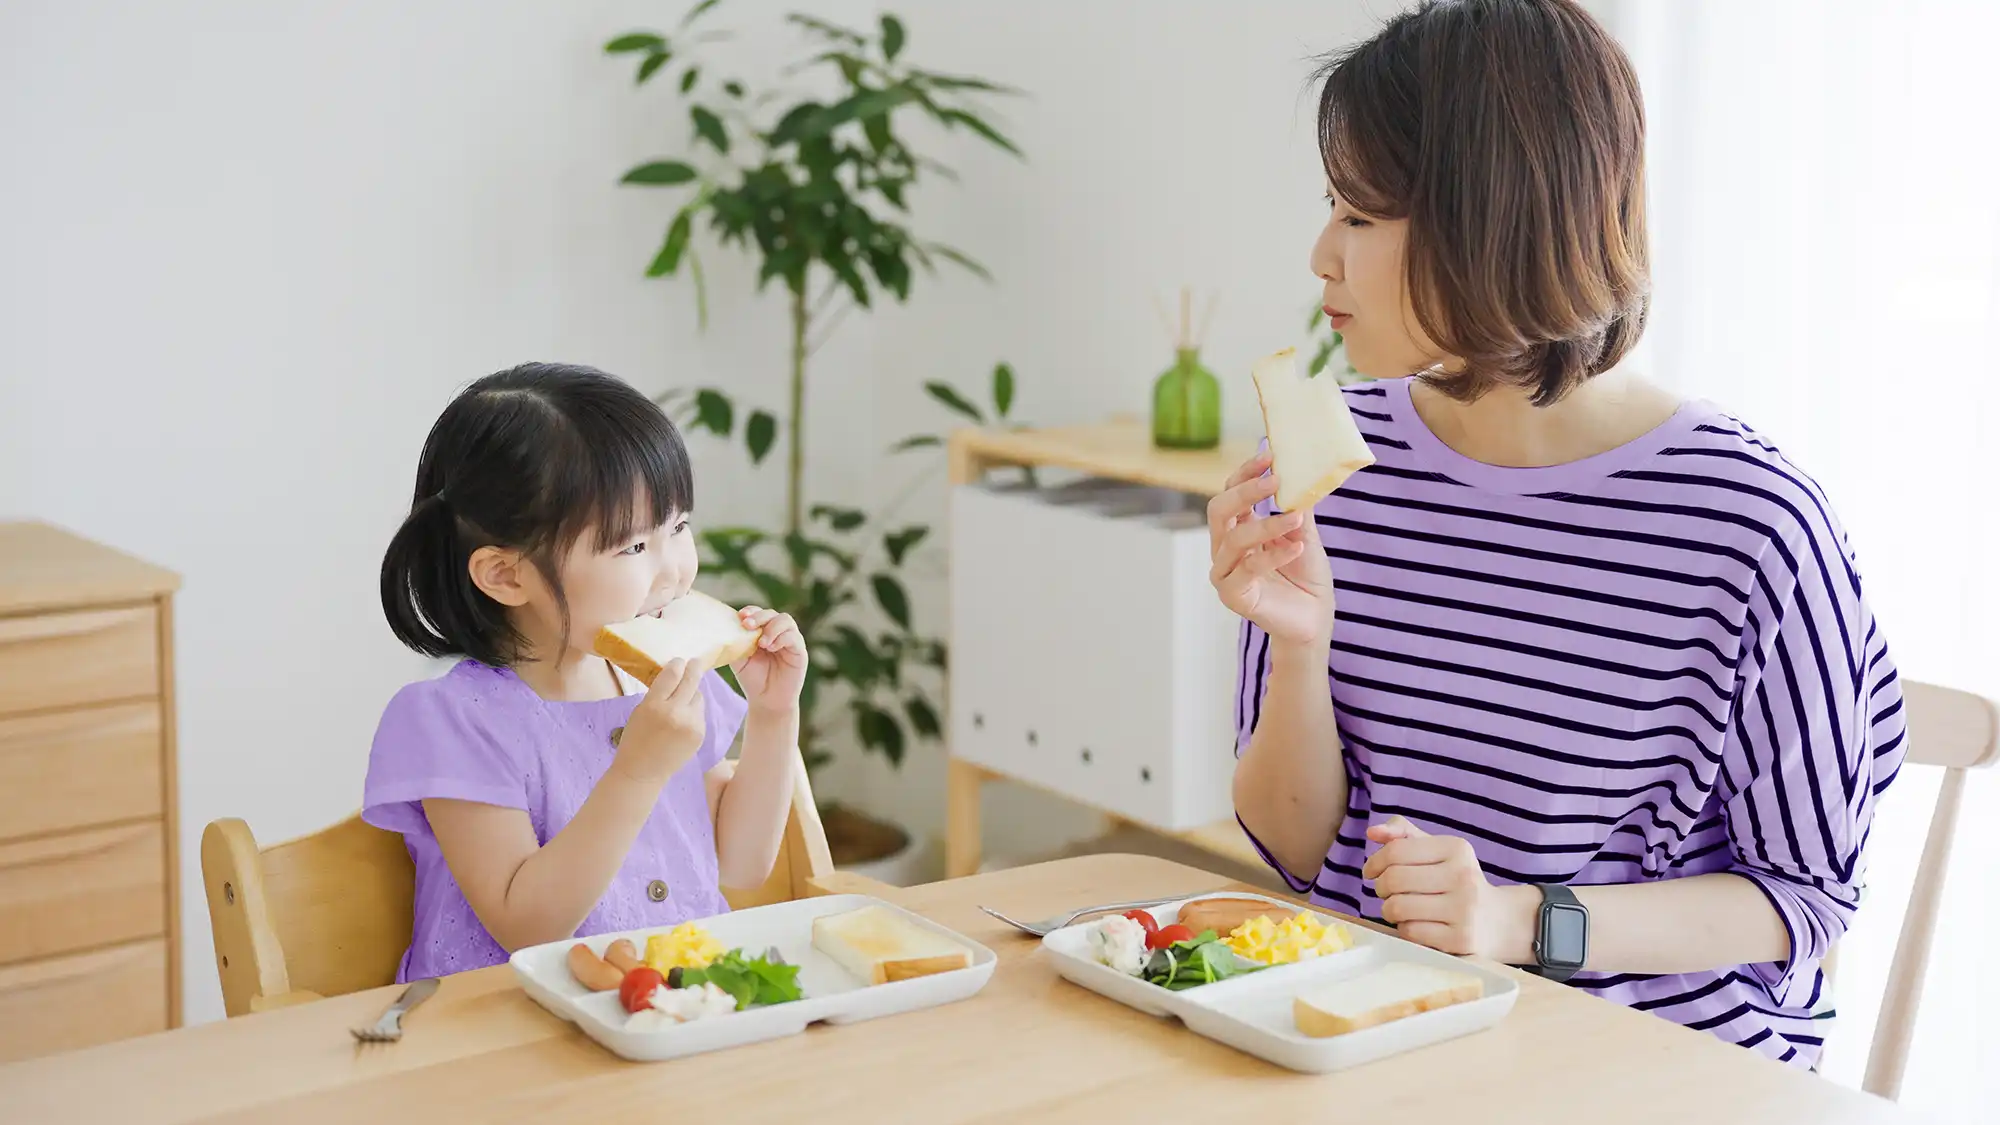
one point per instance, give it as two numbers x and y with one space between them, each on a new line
1563 928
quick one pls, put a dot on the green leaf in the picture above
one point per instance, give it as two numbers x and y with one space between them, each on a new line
800 549
652 65
879 730
1313 320
669 257
978 125
709 128
958 82
895 602
664 173
1003 389
637 41
760 431
777 593
917 441
962 259
714 412
949 396
892 37
733 88
842 519
688 80
698 11
923 719
827 30
898 543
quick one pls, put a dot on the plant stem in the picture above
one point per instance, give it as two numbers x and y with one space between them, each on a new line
796 452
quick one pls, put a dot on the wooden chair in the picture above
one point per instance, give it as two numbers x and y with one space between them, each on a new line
1958 731
330 913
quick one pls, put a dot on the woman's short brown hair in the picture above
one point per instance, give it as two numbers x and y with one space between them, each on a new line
1512 135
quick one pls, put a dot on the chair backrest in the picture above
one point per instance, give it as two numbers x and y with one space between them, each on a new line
1958 731
330 913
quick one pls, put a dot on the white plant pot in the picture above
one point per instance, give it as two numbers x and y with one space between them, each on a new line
905 868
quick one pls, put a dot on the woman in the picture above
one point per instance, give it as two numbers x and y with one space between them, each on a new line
1601 696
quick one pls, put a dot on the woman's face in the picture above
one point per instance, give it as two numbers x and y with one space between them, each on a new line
1360 261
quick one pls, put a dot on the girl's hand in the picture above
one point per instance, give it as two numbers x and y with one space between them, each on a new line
1271 570
1434 892
667 726
773 674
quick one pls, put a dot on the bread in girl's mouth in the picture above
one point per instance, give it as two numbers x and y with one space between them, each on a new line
1315 443
693 626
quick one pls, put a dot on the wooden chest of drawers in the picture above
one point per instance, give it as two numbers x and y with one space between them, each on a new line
89 926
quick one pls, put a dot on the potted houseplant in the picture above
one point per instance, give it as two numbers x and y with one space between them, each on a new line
815 188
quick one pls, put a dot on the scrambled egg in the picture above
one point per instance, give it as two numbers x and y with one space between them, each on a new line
1294 939
686 946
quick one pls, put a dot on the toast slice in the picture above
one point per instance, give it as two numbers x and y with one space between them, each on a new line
880 946
1387 992
693 626
1315 444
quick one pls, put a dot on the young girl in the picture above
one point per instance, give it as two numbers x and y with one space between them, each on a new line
1602 696
542 794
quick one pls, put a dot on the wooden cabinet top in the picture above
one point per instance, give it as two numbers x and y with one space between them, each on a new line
44 567
1118 450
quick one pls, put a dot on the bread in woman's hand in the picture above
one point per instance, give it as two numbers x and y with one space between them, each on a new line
693 626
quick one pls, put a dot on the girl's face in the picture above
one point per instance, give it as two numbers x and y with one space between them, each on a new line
1360 261
604 586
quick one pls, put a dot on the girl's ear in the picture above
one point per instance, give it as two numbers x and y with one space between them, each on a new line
498 573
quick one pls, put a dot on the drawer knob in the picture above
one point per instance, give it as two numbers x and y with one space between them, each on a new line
1086 755
978 721
1146 773
1032 740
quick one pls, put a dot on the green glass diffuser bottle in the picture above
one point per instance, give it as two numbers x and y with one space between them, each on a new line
1187 399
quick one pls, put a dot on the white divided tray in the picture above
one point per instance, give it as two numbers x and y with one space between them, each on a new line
1253 1012
831 994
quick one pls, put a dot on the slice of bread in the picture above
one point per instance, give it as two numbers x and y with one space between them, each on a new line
1387 992
879 946
1315 444
693 626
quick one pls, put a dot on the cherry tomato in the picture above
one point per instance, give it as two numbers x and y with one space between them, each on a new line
1146 921
1168 935
636 990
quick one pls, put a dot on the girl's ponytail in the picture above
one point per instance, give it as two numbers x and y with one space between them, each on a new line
427 591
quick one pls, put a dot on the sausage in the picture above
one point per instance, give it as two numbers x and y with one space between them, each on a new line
1223 915
622 956
592 971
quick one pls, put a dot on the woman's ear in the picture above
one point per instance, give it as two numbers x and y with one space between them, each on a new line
498 573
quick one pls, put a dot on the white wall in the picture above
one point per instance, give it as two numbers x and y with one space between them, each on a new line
247 251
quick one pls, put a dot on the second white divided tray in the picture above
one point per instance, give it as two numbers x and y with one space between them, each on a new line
1253 1012
831 995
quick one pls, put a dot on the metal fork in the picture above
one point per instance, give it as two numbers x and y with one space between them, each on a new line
1047 926
389 1028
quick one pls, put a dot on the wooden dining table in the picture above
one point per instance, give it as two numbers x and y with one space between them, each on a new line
1030 1047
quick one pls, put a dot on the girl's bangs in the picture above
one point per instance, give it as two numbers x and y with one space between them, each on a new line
630 475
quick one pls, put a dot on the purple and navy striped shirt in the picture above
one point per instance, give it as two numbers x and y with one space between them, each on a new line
1650 663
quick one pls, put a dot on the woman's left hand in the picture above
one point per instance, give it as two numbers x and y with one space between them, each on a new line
1432 889
773 674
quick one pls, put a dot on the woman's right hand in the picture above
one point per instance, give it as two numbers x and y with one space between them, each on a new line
1271 569
667 726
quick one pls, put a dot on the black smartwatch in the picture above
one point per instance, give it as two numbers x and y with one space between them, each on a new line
1562 934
